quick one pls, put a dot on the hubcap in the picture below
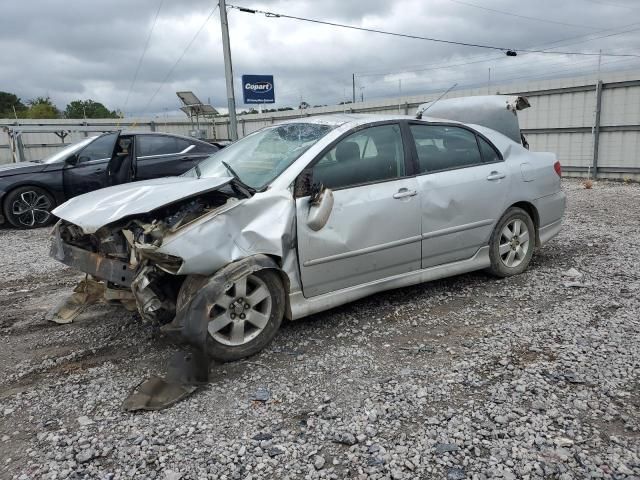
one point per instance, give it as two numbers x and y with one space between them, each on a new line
241 313
31 209
514 243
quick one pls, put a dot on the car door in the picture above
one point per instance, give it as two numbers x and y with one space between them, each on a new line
373 231
87 169
165 155
463 184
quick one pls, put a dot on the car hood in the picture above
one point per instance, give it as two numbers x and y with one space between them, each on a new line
21 167
96 209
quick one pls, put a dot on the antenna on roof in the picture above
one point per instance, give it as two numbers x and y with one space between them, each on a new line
431 104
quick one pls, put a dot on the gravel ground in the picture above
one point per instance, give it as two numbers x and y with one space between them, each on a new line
535 376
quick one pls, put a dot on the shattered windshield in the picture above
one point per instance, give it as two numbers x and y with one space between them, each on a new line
62 154
259 158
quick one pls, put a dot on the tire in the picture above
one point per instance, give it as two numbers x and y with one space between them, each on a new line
29 207
511 256
260 323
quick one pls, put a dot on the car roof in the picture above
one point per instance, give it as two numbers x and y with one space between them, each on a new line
146 132
356 119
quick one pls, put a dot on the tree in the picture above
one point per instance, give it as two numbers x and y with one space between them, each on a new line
42 107
9 102
88 109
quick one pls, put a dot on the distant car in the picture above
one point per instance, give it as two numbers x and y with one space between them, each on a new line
30 190
313 213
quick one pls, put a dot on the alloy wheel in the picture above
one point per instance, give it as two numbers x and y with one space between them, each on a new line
514 243
241 313
31 208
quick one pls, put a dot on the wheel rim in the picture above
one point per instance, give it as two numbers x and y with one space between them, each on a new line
241 313
514 243
31 208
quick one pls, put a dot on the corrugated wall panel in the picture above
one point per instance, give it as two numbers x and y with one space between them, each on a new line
572 149
619 149
620 106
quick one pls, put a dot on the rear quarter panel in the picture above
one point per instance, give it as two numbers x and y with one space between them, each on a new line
533 178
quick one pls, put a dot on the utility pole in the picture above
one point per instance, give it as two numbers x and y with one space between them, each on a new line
228 71
353 87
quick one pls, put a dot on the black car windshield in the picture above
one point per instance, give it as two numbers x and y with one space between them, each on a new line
62 154
261 157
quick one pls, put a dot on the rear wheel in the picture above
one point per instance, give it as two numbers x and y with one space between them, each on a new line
29 207
512 243
244 319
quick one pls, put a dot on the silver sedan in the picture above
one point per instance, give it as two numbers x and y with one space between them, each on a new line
303 216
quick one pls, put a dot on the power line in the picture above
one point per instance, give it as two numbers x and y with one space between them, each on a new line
509 51
536 19
144 51
166 77
436 66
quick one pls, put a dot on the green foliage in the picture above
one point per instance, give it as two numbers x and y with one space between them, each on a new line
88 109
9 101
42 107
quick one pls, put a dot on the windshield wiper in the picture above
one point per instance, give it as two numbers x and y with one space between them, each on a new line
237 178
198 172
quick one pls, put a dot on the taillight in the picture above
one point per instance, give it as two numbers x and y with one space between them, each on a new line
558 168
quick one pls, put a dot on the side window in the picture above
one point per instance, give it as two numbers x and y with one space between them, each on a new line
370 155
181 144
147 145
489 154
100 149
442 147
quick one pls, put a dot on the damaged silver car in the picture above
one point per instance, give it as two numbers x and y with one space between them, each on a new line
313 213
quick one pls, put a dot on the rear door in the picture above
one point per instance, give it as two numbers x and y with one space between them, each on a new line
90 171
463 183
373 231
166 155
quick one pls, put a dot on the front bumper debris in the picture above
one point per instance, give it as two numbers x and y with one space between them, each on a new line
108 269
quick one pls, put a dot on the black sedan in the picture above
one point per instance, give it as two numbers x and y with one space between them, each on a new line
30 190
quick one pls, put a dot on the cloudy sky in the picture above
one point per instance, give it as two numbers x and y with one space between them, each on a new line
78 49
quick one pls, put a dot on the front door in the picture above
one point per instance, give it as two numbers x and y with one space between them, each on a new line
373 231
463 183
89 171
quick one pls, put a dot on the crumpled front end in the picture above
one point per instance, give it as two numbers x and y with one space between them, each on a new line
145 258
125 255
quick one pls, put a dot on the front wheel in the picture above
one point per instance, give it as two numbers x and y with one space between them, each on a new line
29 207
244 319
512 243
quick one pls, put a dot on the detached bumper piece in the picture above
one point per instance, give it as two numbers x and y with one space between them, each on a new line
108 269
187 371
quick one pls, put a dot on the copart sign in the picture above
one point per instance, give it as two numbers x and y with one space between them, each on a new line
258 89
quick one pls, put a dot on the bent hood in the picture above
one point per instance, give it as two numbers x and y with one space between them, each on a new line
19 168
96 209
497 112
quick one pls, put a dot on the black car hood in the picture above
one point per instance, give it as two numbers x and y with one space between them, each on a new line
19 168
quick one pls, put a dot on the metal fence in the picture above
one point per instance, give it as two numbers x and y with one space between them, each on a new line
591 123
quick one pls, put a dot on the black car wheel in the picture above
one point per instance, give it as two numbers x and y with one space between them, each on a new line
29 207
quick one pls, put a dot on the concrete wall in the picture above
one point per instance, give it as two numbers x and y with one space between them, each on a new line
562 119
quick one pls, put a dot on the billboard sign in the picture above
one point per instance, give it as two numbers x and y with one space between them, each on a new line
258 89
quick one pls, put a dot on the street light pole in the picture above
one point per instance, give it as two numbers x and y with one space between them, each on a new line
228 71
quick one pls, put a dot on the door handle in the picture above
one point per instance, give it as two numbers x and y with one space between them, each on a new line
496 175
404 192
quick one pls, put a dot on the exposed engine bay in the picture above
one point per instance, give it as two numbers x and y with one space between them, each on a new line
124 256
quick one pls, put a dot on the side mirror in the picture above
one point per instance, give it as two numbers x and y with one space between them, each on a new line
320 206
72 160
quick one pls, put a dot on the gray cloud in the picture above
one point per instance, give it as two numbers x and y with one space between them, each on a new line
80 49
